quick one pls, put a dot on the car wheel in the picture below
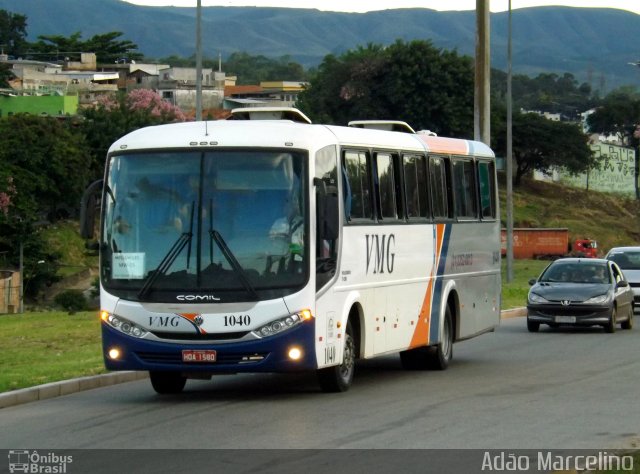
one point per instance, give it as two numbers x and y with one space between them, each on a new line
611 325
166 383
339 377
628 324
532 326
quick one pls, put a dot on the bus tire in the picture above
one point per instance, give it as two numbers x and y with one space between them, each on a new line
439 356
339 377
414 359
166 383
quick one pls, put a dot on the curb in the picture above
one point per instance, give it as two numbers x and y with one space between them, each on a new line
66 387
513 313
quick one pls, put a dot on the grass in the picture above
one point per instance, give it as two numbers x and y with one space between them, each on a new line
514 294
45 347
64 237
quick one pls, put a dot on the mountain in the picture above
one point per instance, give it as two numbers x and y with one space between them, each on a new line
594 44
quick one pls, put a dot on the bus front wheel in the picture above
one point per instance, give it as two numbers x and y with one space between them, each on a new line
339 377
167 382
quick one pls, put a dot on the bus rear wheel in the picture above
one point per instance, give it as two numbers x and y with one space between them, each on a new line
166 383
433 357
339 377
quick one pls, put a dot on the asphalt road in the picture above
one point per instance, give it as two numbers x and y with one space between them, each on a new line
561 389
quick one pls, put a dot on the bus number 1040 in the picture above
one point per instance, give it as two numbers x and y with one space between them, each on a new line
237 320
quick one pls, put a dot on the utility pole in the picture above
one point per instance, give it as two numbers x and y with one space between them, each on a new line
198 61
21 295
509 160
481 112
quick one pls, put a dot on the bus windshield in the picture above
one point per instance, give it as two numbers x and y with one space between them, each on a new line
231 225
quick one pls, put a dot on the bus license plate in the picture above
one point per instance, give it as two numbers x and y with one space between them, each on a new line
565 319
198 356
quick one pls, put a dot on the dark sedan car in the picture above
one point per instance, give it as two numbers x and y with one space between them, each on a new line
580 292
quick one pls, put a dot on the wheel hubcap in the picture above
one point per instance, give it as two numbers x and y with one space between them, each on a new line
348 358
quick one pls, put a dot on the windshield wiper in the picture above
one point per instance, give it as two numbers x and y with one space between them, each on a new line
228 254
170 257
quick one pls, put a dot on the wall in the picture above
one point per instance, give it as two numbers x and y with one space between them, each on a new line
54 105
616 173
9 291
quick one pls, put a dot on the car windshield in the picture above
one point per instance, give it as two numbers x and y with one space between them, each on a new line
626 260
576 273
225 221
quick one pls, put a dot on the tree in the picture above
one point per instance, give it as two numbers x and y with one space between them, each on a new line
619 113
255 69
428 87
5 75
107 47
542 144
44 172
47 162
13 32
6 194
544 93
111 119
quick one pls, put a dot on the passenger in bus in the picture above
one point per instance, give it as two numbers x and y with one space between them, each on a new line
287 232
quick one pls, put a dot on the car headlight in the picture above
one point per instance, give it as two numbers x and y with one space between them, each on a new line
123 325
598 299
536 298
282 324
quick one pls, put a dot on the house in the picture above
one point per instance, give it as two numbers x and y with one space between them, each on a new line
177 85
38 79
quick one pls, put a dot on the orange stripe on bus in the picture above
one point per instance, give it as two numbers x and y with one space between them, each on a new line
190 316
421 332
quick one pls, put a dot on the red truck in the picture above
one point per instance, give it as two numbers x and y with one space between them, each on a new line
548 243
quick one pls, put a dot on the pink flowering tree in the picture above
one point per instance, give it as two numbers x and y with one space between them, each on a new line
113 117
151 102
6 195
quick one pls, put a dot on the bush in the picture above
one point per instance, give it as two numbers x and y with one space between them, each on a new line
71 301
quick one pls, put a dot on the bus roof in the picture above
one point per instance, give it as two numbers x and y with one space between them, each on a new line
285 133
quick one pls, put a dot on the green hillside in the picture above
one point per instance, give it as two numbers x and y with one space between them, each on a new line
608 219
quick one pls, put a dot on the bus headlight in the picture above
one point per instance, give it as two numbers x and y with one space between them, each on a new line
123 325
282 324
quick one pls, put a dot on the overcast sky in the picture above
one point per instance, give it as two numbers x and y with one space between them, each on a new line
368 5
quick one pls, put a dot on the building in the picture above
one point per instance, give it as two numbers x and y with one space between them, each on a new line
177 85
50 105
38 79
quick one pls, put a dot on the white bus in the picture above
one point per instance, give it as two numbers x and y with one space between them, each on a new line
276 246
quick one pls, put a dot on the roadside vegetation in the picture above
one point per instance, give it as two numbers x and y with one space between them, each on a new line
47 346
43 347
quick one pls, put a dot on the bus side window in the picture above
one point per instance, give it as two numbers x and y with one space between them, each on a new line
438 183
464 186
356 165
486 174
415 181
387 187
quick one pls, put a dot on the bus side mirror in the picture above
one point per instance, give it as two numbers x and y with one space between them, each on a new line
330 225
88 207
327 211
